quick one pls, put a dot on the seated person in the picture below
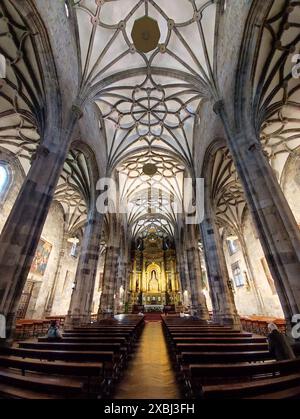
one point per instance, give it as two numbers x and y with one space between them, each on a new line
53 332
194 314
279 345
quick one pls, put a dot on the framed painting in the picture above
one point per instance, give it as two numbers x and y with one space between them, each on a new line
41 258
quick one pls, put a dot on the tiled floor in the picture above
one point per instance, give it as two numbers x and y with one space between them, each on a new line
149 374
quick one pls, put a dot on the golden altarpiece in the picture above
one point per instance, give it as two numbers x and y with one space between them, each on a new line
154 280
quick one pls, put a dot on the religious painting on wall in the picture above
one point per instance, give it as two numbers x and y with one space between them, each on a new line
41 258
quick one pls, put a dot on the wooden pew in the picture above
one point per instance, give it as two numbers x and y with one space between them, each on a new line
11 391
102 333
277 387
93 374
87 339
212 372
215 363
212 339
120 352
90 352
63 346
105 357
53 368
221 347
15 385
223 357
209 335
201 330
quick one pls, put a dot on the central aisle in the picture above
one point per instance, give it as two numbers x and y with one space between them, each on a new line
149 374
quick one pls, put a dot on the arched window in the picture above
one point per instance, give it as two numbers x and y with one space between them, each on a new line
4 179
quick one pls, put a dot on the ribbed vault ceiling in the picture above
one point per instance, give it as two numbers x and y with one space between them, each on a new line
276 93
150 196
22 113
151 99
227 194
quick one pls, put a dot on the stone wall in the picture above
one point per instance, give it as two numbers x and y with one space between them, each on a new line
65 282
52 233
9 196
246 299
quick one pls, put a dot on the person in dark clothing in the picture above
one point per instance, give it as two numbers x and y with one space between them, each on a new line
279 345
53 332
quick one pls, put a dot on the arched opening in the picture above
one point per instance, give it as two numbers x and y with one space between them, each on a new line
5 179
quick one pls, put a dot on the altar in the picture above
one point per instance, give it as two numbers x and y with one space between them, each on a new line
153 308
153 279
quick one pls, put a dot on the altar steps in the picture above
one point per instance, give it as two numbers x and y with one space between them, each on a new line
153 317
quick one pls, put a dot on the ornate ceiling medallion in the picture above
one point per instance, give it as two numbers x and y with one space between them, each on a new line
150 169
145 34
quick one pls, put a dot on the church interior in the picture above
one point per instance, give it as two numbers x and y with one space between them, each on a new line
149 199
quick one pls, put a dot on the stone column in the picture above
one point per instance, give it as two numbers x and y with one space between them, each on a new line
122 270
199 306
21 233
83 292
107 304
119 281
126 276
182 270
272 216
224 310
106 307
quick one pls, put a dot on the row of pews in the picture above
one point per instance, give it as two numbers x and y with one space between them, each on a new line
86 363
215 362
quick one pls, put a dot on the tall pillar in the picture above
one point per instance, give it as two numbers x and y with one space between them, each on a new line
106 307
80 309
199 306
224 310
183 271
21 233
275 224
107 304
122 271
119 281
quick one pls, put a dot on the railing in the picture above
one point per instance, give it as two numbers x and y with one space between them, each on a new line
259 324
34 328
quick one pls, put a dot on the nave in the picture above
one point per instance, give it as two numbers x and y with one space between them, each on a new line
131 358
149 170
150 374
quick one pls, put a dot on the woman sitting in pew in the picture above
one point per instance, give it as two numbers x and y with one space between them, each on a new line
279 346
53 333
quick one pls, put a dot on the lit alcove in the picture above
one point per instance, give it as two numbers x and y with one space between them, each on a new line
4 178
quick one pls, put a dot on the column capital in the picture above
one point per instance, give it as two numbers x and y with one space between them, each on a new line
218 106
77 111
40 151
